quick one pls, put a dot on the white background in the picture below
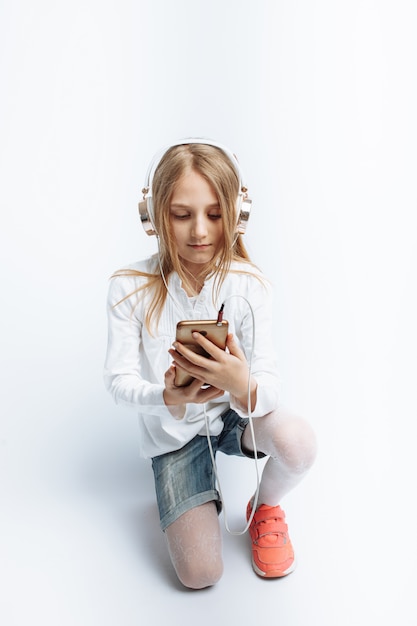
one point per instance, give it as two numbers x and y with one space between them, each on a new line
318 100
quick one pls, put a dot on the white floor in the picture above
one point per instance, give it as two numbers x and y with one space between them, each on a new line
318 99
81 545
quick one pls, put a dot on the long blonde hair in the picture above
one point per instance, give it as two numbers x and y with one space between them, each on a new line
215 166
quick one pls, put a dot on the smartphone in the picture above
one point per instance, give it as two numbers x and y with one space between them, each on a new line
213 330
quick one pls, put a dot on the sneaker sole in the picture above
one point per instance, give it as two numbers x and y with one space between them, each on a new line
272 573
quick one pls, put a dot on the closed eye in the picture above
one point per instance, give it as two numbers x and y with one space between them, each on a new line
184 216
180 217
181 212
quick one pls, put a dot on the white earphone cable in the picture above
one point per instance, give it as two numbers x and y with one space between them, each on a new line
250 424
250 420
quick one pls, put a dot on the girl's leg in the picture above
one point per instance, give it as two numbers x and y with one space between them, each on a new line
194 543
291 445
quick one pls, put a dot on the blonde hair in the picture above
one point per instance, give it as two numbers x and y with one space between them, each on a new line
217 169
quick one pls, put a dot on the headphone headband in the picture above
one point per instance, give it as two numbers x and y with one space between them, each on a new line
146 206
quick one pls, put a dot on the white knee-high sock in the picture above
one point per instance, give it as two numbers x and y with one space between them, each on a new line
291 445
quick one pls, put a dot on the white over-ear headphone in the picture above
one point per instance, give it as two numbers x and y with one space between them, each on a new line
243 203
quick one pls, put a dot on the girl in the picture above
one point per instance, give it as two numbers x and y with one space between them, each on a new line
196 203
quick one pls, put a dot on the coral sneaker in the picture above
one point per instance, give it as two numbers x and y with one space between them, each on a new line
272 551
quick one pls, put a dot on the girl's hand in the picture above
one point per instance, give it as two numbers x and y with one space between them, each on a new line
226 369
176 397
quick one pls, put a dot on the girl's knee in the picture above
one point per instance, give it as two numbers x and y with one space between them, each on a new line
299 444
198 575
295 442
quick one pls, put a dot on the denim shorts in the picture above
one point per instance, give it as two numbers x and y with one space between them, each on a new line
185 478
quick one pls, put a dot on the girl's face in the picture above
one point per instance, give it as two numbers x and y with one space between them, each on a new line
196 221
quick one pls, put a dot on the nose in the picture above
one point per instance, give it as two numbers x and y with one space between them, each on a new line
199 227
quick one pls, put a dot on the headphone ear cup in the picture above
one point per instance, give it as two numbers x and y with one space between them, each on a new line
145 211
244 212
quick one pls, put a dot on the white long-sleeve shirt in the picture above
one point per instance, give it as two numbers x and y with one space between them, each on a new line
137 360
